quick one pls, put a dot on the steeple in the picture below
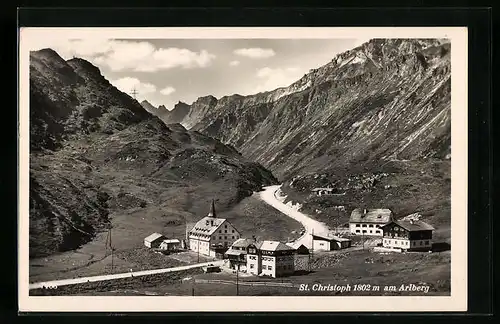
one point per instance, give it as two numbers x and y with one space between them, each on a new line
212 210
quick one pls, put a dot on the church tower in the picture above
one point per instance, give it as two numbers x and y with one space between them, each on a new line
212 210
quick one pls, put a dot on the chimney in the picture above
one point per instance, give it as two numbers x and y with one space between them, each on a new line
254 238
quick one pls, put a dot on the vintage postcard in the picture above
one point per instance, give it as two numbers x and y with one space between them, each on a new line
249 169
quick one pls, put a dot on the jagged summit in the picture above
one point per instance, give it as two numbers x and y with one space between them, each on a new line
385 99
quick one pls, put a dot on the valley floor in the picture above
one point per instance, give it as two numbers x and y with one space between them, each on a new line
250 216
346 268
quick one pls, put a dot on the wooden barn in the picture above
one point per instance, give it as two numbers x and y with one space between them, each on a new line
154 240
329 242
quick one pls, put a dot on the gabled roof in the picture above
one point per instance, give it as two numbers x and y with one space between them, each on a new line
171 241
274 246
234 252
295 245
201 227
242 242
379 216
330 237
413 226
153 237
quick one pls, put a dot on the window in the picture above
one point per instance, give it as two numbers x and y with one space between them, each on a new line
364 225
413 243
237 237
378 232
357 225
420 242
225 237
264 267
251 266
269 268
220 237
426 242
233 237
371 231
232 231
220 231
370 225
225 226
225 231
357 231
364 231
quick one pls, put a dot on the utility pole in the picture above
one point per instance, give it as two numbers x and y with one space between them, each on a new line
237 277
111 247
134 92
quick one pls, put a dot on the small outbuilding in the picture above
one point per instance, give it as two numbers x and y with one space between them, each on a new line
329 242
154 240
170 245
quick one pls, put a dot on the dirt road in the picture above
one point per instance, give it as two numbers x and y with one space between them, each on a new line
269 195
74 281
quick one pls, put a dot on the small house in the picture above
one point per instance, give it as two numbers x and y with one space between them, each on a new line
170 245
407 235
329 242
154 240
300 249
369 221
236 254
323 191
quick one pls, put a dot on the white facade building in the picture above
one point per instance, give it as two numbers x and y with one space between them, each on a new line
369 221
211 232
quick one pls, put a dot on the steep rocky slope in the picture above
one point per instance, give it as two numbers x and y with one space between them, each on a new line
173 116
386 99
96 154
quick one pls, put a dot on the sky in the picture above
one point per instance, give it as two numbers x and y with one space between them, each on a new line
166 71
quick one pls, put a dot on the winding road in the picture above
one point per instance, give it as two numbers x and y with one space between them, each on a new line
66 282
269 195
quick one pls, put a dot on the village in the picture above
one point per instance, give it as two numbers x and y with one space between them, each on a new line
218 239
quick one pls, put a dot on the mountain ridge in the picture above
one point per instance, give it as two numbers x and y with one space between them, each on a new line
396 91
96 156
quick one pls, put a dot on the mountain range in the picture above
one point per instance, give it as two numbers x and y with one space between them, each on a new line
386 99
95 153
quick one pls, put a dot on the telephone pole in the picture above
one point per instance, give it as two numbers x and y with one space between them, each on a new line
134 92
237 277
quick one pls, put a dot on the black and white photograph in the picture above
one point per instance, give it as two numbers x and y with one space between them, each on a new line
243 163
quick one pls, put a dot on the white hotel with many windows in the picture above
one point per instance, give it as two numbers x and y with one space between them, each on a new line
369 221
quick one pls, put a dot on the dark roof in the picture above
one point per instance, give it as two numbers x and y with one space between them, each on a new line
413 226
379 216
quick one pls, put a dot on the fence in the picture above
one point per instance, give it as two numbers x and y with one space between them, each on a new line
249 283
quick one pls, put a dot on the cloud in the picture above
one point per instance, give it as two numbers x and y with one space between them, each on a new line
125 55
255 53
234 63
272 78
127 84
167 91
